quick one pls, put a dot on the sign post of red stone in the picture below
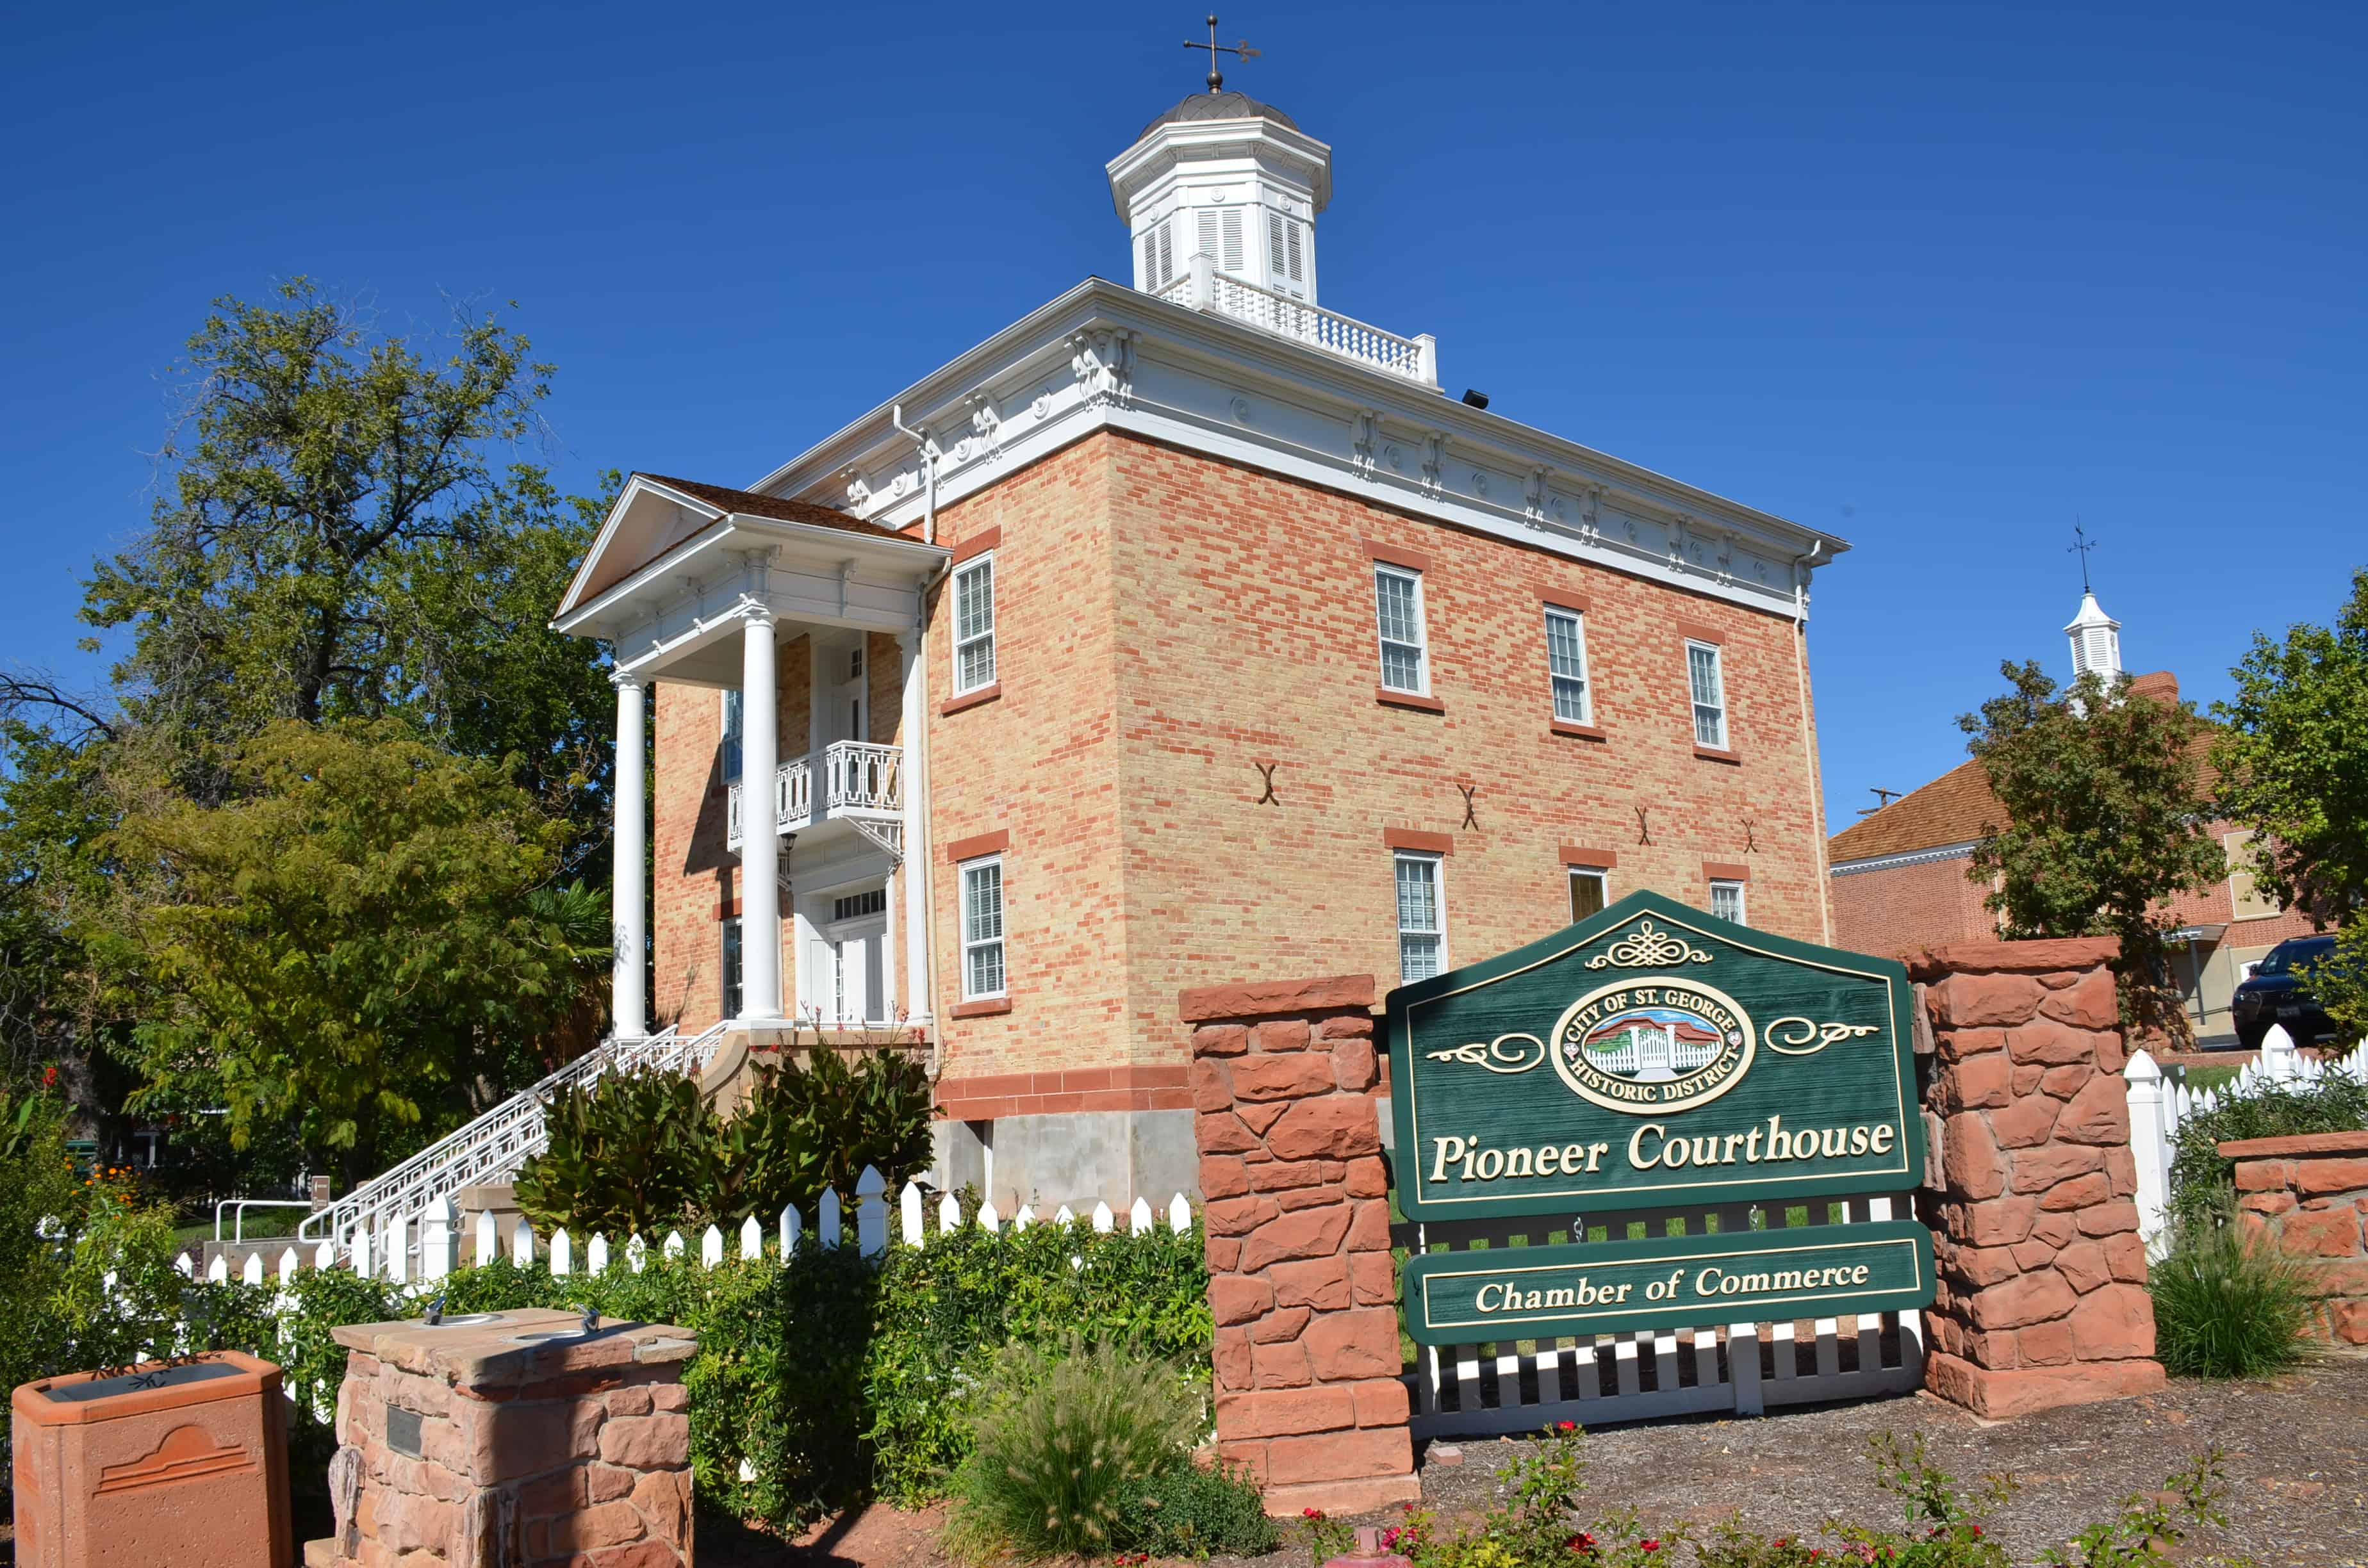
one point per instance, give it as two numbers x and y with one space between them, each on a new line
1300 1281
2041 1296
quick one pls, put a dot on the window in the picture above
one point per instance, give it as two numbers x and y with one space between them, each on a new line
1589 891
1398 605
856 905
1422 931
981 907
730 968
1285 256
2248 900
1726 900
1566 665
1710 694
975 625
733 720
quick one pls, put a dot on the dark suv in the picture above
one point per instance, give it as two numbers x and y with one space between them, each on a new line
2275 993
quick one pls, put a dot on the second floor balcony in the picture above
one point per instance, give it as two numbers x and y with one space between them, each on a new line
849 781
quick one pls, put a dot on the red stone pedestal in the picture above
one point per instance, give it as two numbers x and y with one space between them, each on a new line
160 1464
2041 1296
511 1442
1300 1277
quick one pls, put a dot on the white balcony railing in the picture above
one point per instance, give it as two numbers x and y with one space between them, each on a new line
1203 288
860 780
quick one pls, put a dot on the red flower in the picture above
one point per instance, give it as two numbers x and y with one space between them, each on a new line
1649 1544
1978 1532
1310 1513
1565 1425
49 1077
1582 1542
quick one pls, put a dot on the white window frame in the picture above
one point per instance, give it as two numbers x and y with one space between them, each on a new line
1601 877
971 944
982 562
1556 680
1421 643
1695 707
733 722
1438 865
1742 916
730 945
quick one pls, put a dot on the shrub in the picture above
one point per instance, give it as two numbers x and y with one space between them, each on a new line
1065 1445
2199 1176
628 1154
2226 1304
642 1151
1186 1510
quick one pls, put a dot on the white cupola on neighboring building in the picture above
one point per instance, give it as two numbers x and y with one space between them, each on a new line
1224 175
2095 640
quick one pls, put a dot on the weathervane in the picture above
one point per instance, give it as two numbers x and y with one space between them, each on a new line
2083 545
1240 49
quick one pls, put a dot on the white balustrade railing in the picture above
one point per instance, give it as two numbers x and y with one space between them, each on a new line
419 1249
1203 288
858 777
496 1144
2161 1103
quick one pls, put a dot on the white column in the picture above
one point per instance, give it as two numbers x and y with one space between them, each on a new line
760 843
915 872
629 897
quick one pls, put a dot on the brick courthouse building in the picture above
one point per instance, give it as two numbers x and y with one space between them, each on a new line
1179 633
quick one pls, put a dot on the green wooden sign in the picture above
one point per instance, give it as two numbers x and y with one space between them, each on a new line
1651 1055
1541 1292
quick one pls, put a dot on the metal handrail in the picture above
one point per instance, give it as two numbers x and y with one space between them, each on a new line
498 1141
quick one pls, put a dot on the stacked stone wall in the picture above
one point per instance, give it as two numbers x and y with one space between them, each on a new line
2041 1298
2309 1196
1300 1282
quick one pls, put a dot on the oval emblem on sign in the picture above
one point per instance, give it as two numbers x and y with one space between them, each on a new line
1653 1045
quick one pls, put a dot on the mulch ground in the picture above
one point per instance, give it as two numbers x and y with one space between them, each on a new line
2296 1460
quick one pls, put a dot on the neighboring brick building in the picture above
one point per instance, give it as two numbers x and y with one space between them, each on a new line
1178 635
1901 879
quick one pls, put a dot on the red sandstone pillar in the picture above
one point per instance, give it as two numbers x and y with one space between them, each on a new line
1300 1277
2042 1293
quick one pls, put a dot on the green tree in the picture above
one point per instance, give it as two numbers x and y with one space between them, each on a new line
361 939
2292 759
2105 820
339 535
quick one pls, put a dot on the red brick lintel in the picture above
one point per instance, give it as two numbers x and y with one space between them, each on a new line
1412 560
1263 998
1726 871
971 849
1056 1094
2300 1144
978 544
1414 838
2050 957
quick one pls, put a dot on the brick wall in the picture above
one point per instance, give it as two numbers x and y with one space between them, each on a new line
2309 1196
1166 621
2042 1293
1899 909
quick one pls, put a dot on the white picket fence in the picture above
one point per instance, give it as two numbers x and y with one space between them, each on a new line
419 1249
2161 1103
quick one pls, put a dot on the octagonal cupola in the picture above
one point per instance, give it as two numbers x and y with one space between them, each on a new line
1224 176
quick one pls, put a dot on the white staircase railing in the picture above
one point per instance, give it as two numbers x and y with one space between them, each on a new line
496 1144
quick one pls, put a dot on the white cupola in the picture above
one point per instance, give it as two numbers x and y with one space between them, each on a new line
2095 640
1224 176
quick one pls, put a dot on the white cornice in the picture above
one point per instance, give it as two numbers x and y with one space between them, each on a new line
1907 858
1106 356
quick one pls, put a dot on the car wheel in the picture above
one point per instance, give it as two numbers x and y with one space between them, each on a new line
2250 1040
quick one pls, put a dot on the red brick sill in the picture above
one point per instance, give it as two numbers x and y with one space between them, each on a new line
1583 732
970 700
985 1007
1711 754
1415 700
2298 1143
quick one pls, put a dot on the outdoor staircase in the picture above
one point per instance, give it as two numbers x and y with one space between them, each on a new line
493 1147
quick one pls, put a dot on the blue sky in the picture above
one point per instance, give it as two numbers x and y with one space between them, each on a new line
1940 279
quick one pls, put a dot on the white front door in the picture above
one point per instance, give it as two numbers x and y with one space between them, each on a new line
848 971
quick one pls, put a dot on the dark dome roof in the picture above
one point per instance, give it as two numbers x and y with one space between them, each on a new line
1219 106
